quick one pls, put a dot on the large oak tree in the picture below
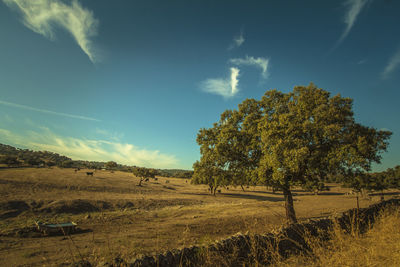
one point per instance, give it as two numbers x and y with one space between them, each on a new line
288 139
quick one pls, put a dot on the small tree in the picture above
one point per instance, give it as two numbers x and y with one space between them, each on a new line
358 182
111 165
209 174
315 186
378 183
143 174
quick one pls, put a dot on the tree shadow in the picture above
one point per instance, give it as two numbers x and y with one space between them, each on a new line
245 196
256 197
385 194
320 194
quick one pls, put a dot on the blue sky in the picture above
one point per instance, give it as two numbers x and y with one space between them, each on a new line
134 81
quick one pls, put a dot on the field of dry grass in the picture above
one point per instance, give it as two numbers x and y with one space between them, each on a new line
380 246
119 218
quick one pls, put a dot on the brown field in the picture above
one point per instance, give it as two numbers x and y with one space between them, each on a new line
119 218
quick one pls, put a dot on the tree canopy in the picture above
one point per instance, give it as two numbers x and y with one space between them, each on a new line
143 174
111 165
286 139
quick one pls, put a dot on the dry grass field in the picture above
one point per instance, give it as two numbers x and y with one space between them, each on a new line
119 218
380 246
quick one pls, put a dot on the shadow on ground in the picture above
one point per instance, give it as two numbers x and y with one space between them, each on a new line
256 197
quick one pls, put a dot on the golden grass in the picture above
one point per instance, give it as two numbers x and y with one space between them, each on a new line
380 246
164 215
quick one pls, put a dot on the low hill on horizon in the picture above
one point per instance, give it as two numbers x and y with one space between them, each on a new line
19 157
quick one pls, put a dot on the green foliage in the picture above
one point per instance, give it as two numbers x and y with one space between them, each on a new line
285 139
28 157
111 165
34 161
144 173
66 164
211 175
315 186
9 160
387 179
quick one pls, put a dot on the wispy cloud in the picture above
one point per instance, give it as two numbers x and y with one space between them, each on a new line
353 9
42 15
110 134
87 149
47 111
259 62
8 118
363 61
238 40
393 63
225 87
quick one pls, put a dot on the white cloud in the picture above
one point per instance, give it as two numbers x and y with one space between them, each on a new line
46 111
224 87
110 134
238 40
353 9
42 15
234 80
259 62
86 149
393 63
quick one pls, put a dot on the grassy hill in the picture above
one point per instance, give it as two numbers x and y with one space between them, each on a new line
17 157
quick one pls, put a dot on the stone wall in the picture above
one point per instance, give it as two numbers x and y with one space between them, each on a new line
247 250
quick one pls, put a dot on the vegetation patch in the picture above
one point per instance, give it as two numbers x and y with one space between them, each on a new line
270 248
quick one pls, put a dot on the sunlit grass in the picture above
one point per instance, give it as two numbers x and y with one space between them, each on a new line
380 246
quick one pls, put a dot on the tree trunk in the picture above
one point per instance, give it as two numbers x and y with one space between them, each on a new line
242 188
358 203
215 189
382 196
290 213
140 182
211 188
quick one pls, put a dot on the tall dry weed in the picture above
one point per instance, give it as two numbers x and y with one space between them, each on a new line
379 246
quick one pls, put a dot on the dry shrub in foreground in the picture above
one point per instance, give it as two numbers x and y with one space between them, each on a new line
380 246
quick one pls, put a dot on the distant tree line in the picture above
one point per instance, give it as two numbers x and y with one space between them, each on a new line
175 173
14 157
17 157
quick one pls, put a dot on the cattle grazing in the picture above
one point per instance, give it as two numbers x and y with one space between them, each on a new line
89 173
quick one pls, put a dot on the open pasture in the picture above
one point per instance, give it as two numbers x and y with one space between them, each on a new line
119 218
